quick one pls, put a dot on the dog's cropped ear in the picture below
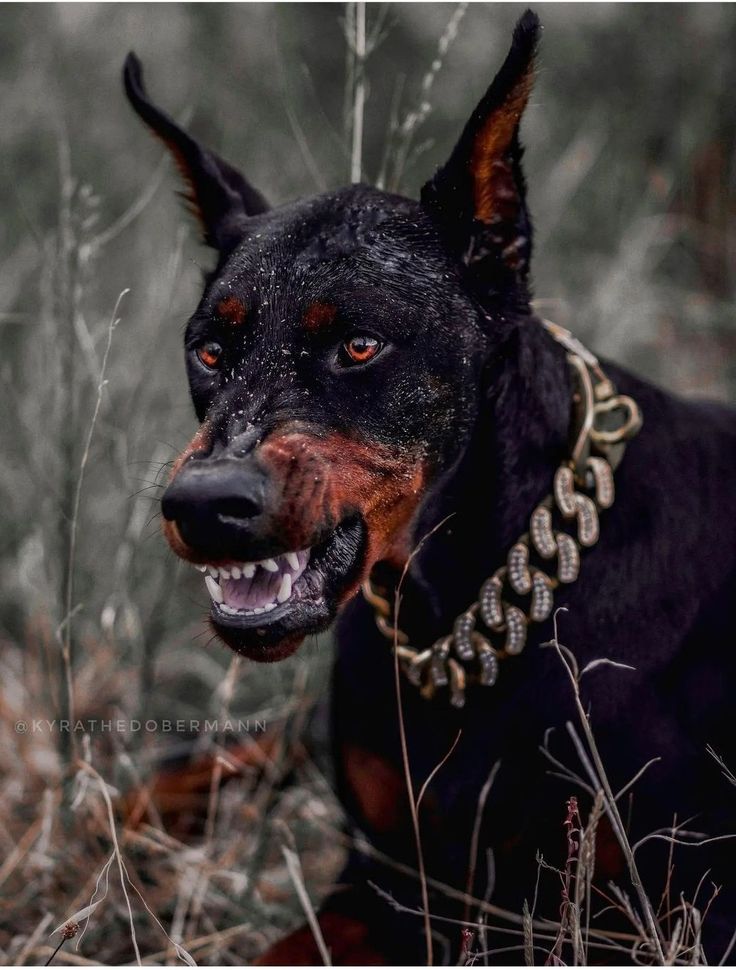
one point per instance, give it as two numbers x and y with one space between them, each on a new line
218 194
478 198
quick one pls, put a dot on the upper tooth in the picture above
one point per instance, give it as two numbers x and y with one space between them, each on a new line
292 559
235 572
284 589
249 570
224 573
269 565
214 589
202 569
212 570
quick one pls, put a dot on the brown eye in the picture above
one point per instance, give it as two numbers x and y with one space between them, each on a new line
210 354
361 348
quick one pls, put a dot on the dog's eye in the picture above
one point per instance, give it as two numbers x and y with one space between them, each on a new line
210 354
360 348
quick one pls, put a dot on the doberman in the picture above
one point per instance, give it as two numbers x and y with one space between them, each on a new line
380 407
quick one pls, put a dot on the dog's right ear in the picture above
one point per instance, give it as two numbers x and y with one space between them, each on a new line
218 194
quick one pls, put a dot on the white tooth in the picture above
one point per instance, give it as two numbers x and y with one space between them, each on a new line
284 589
292 559
235 572
225 608
202 569
214 589
213 571
249 570
224 573
270 565
259 609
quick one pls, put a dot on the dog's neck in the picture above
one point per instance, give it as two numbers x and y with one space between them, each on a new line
519 439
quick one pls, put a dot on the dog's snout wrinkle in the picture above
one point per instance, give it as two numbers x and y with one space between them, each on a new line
244 443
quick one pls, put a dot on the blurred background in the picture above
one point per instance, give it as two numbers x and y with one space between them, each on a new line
630 137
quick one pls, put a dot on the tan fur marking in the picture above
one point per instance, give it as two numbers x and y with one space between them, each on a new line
378 788
323 480
232 311
490 179
319 315
350 941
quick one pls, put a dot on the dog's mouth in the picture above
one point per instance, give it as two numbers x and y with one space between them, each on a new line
264 609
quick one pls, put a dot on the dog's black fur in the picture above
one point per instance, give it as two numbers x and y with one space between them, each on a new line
469 403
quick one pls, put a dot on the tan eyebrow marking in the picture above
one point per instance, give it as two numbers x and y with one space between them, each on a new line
232 311
319 315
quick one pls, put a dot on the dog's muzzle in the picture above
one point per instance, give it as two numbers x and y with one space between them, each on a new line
286 533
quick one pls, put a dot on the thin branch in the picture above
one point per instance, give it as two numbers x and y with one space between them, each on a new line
601 780
85 766
404 746
295 874
637 776
475 838
436 768
66 649
356 155
132 212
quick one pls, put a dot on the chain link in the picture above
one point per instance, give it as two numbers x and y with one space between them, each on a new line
521 592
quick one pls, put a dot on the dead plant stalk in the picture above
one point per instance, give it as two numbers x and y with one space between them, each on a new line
66 649
600 780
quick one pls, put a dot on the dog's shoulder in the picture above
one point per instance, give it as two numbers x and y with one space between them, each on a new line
697 434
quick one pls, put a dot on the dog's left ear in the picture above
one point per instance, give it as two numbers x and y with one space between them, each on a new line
478 199
218 194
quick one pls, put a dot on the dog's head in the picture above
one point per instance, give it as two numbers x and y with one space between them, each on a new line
335 363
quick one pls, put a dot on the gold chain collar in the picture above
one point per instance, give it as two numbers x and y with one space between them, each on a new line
493 627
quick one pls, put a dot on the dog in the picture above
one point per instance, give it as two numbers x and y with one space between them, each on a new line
382 417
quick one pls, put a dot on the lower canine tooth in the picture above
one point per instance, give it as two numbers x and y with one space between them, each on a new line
270 565
214 589
284 589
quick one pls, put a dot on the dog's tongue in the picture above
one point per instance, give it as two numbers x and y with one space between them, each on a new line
264 587
249 594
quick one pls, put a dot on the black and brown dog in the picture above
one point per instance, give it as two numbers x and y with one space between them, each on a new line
368 374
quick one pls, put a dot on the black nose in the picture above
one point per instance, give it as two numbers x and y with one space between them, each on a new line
218 507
